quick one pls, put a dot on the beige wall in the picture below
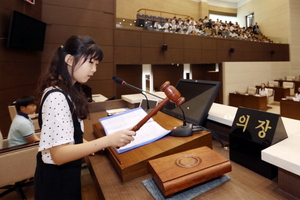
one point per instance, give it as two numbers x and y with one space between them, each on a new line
272 17
284 14
237 76
294 37
128 9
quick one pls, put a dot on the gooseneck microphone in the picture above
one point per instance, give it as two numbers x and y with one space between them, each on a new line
122 82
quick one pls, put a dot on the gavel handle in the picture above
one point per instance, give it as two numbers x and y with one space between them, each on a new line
150 114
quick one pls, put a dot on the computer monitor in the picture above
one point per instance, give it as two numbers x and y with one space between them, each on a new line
152 103
199 96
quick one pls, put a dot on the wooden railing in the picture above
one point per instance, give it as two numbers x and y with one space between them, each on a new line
160 13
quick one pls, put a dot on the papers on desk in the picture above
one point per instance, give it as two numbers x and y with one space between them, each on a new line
149 132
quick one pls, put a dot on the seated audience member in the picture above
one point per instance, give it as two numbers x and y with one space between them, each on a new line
22 129
297 95
263 91
157 25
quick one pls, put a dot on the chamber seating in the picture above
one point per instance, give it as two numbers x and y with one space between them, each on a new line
290 78
271 94
17 167
140 16
252 90
290 85
273 83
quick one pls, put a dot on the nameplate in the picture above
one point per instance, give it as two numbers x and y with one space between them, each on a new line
258 126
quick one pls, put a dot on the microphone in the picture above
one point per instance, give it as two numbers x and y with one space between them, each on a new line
122 82
179 131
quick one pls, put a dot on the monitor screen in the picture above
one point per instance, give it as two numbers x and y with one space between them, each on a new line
199 96
26 32
152 103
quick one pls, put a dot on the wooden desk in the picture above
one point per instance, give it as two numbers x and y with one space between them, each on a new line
290 109
105 169
248 101
297 84
280 92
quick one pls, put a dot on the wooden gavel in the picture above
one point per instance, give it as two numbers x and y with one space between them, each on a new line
172 95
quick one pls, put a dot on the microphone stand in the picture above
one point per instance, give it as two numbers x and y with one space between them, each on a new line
138 89
184 130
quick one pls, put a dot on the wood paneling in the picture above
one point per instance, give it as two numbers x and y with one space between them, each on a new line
131 74
105 6
163 73
19 68
70 16
152 55
125 38
101 35
152 39
127 55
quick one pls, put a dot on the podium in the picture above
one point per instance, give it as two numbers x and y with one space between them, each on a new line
132 164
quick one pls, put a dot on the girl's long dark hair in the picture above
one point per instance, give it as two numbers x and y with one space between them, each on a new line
82 48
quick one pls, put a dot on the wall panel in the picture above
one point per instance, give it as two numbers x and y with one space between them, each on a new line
152 55
132 74
127 38
174 55
163 73
106 5
53 14
101 35
152 39
18 67
127 55
173 40
192 56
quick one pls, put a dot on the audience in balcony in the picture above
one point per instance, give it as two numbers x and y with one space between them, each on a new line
207 27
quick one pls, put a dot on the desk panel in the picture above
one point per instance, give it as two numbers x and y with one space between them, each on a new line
248 101
297 84
290 109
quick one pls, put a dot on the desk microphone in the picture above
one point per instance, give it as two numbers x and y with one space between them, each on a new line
179 131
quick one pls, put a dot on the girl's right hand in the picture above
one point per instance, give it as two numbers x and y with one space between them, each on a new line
121 138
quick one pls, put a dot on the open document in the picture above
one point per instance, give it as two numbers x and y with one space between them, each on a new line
149 132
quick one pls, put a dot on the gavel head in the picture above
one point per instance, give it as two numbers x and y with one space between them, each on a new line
172 93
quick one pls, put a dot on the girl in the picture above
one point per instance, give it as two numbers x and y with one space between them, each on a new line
297 95
263 91
62 109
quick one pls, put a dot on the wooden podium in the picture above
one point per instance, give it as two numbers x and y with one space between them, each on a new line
133 163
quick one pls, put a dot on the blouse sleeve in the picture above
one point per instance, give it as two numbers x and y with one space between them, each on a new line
57 128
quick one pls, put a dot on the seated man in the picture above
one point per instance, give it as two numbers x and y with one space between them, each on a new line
22 130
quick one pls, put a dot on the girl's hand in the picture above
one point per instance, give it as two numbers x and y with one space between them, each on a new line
121 138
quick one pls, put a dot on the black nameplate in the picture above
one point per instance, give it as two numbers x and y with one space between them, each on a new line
258 126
